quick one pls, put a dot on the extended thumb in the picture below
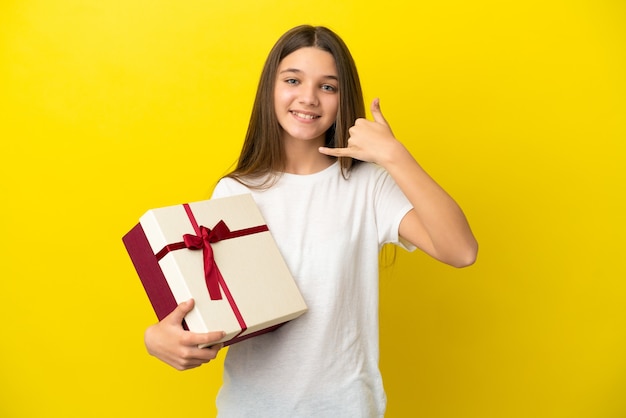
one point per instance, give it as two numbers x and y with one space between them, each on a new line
377 113
181 310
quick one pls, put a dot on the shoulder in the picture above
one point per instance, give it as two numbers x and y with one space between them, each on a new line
228 186
364 168
369 173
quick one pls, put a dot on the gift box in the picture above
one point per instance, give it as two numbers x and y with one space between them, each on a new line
220 253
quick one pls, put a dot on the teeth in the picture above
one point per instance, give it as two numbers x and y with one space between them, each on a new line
304 116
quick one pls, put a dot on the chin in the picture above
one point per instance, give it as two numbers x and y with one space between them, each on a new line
307 137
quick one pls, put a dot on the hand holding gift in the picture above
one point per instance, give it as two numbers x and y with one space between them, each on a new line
169 342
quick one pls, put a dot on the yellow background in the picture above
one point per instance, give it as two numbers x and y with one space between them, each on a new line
109 108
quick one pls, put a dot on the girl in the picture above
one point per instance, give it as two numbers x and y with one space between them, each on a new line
333 188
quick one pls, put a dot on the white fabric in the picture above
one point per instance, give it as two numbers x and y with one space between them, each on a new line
325 363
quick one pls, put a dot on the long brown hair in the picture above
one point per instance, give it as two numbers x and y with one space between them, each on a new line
262 152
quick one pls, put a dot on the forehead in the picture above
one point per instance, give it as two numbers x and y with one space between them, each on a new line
309 60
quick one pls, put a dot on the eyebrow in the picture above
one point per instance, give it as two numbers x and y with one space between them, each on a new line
297 71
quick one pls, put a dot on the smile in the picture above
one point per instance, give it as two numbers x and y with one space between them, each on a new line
304 115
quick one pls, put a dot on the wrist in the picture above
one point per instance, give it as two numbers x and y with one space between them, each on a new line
395 154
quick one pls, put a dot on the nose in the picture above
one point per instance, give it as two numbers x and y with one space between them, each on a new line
308 95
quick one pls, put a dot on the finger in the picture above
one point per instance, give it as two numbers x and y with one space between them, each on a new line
377 113
178 315
192 357
335 152
202 355
208 339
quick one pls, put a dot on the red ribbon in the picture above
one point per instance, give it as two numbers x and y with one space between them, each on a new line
212 274
202 240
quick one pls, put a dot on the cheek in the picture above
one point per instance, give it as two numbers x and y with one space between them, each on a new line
333 105
281 96
276 97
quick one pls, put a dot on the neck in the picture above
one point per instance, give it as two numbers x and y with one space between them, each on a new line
303 157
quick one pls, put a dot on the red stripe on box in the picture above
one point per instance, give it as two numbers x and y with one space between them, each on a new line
149 272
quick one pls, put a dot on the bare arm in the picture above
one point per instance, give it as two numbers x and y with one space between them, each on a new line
436 224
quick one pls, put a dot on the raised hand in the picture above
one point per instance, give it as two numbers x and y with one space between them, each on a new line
371 141
172 344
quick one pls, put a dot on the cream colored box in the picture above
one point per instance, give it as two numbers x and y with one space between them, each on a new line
256 290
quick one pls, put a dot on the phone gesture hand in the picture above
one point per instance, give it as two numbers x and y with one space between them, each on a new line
369 141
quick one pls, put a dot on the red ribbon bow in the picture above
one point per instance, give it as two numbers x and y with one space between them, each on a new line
212 274
214 281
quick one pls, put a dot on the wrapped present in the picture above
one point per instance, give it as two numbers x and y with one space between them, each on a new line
220 253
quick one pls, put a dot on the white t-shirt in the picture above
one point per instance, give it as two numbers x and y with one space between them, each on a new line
325 363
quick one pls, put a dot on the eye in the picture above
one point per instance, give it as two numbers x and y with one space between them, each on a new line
329 88
291 81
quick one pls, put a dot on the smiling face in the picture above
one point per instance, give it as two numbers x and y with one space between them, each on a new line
306 95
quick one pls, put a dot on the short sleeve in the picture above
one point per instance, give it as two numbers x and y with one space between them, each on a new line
391 207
